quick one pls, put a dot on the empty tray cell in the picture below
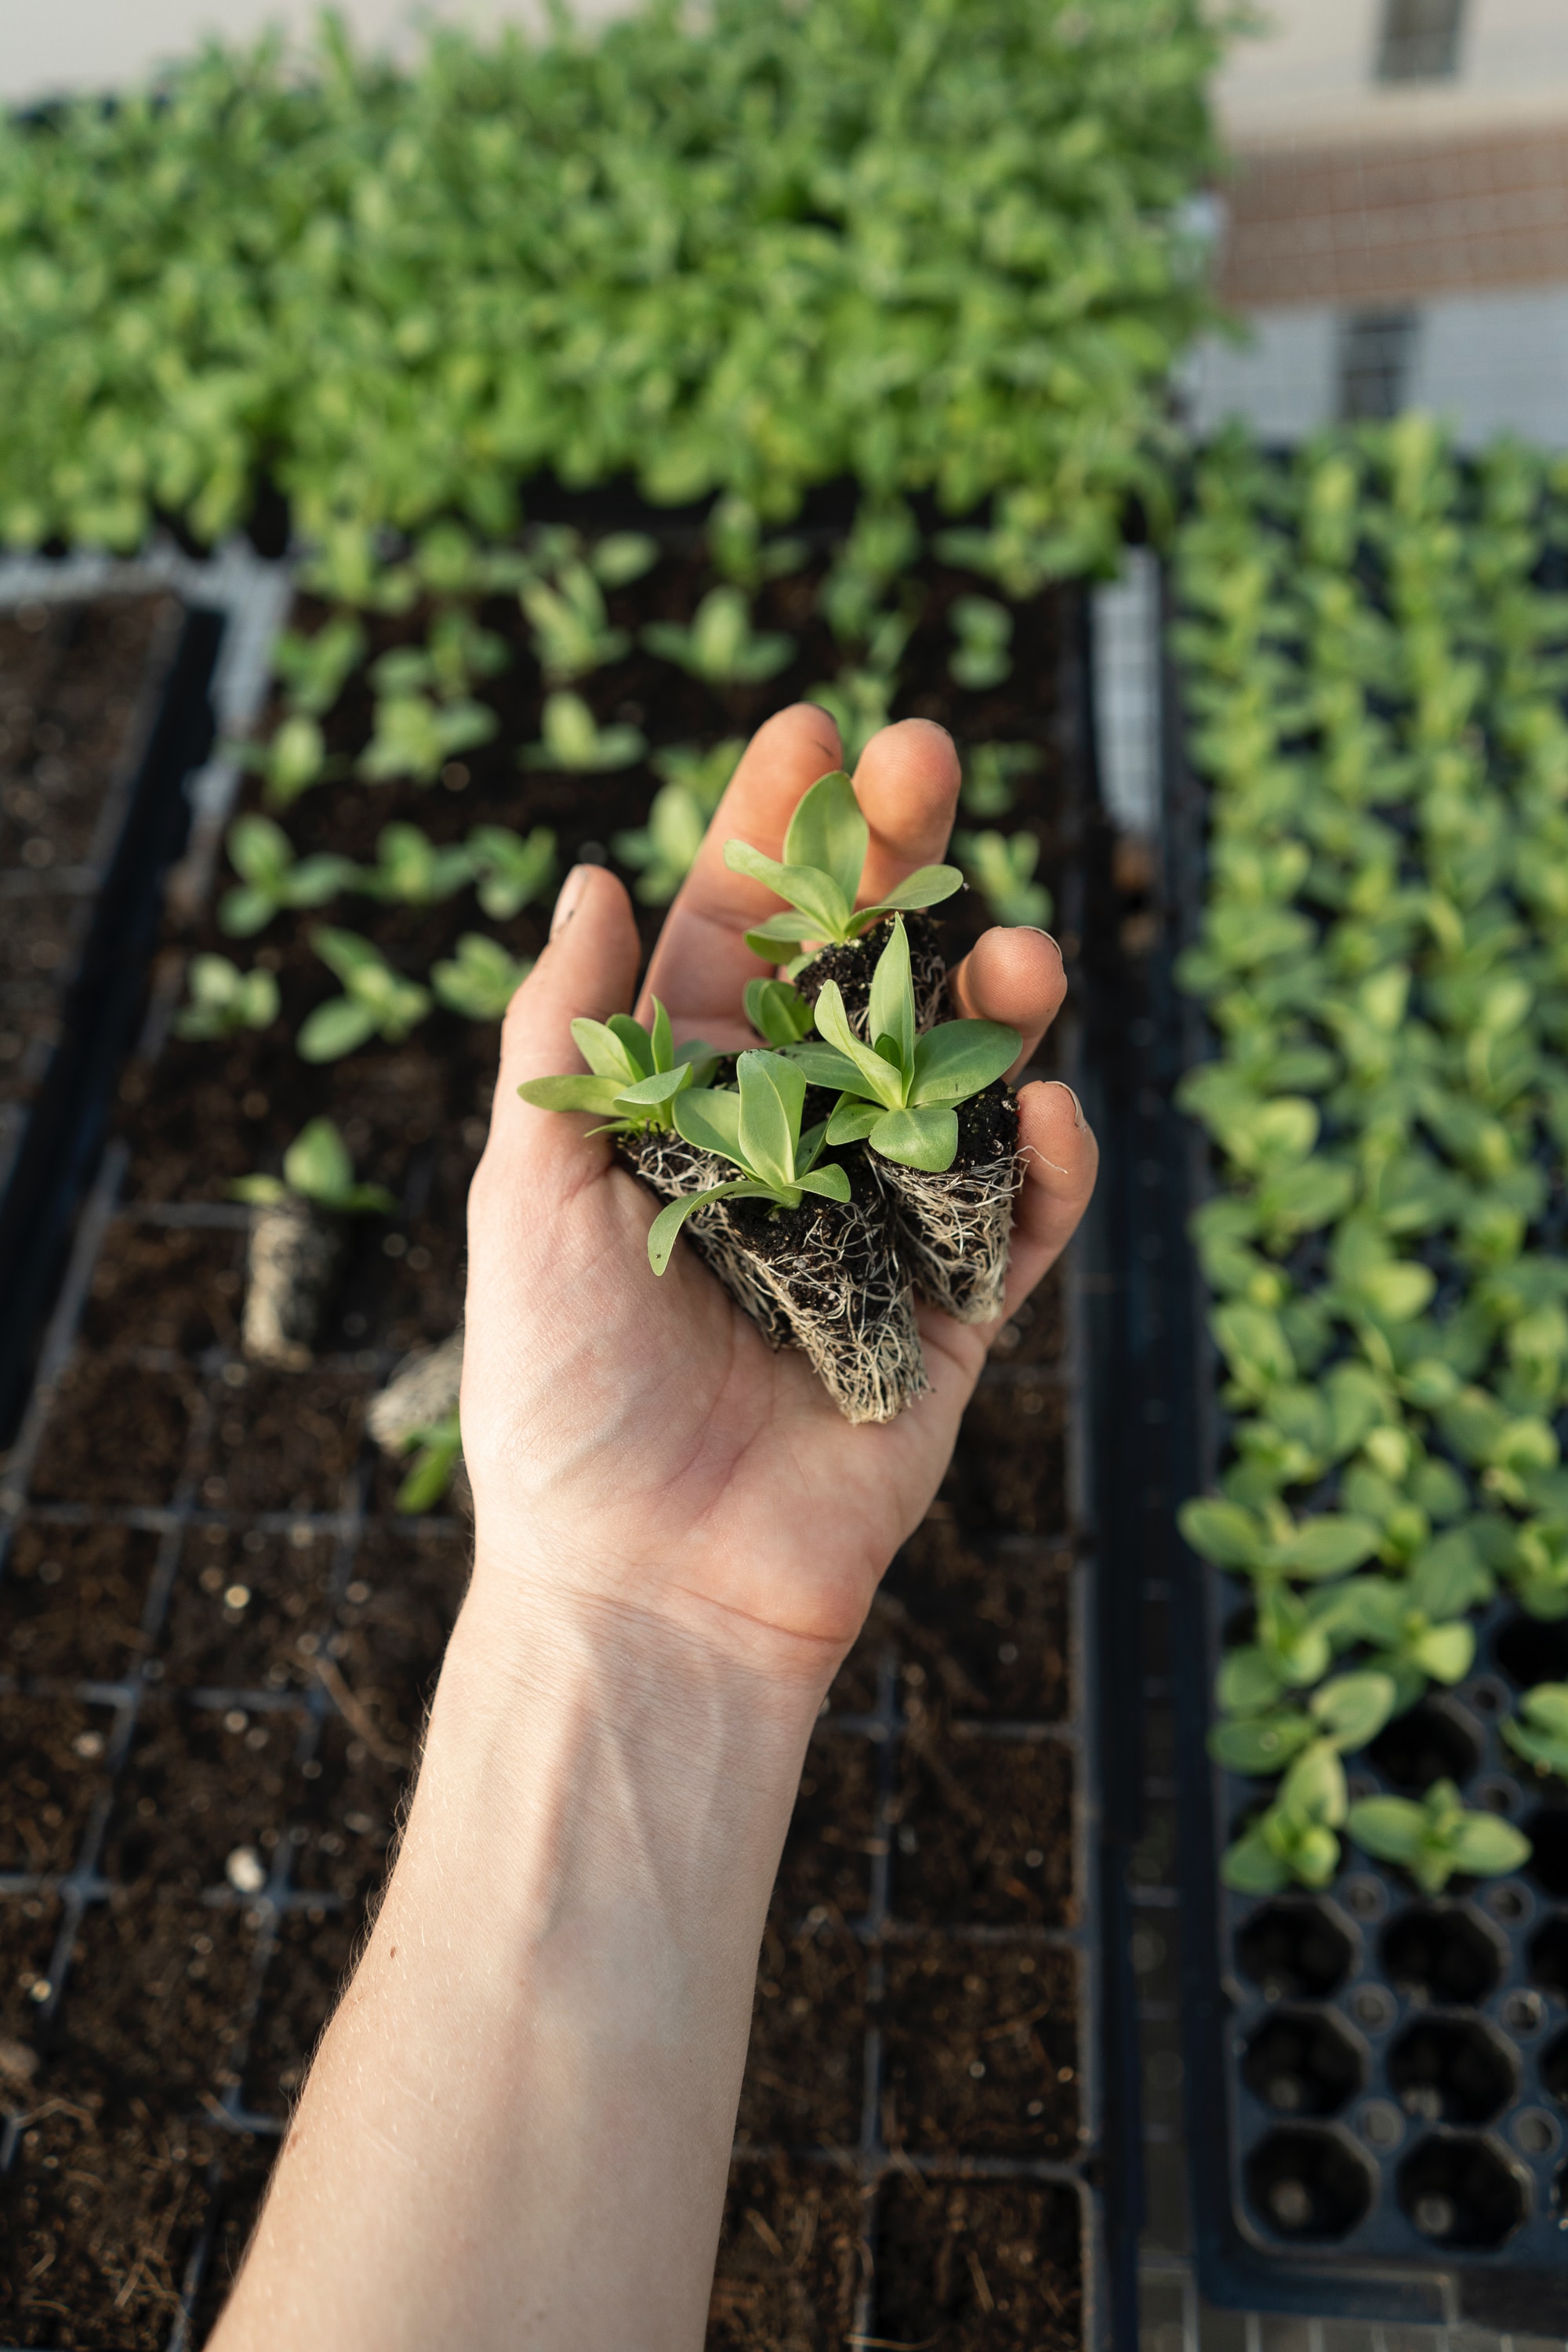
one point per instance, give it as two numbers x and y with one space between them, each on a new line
1010 1469
394 1624
1459 2190
1306 2183
1549 1955
1548 1865
282 1441
345 1811
1452 2070
1529 1651
805 2066
51 1767
239 1606
1430 1742
980 2046
71 1600
985 1833
1037 1332
1295 1951
165 1286
990 2266
833 1838
792 2257
29 1926
985 1630
1444 1952
155 1991
1303 2062
314 1952
247 2159
99 2214
115 1434
1555 2068
202 1787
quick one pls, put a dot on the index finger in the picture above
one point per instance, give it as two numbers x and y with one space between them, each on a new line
907 784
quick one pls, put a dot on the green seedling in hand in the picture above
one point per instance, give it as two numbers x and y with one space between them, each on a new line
376 1000
985 632
437 1449
720 646
411 871
778 1012
1294 1840
271 879
1347 1712
898 1095
1001 867
316 1168
315 669
1542 1735
663 851
637 1074
224 999
481 980
1437 1837
574 740
824 857
757 1128
514 871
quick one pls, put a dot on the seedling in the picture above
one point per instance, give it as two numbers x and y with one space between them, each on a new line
898 1095
985 632
271 879
989 771
637 1074
663 851
376 1000
455 653
574 740
437 1449
513 871
316 1168
1295 1838
293 758
415 737
1348 1711
571 634
736 544
224 999
721 646
410 871
778 1012
1437 1837
314 669
859 702
757 1129
824 857
1001 867
480 982
1541 1736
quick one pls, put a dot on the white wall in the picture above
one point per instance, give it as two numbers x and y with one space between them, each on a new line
1310 77
49 47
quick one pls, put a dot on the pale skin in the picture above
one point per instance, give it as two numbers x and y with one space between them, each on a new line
516 2128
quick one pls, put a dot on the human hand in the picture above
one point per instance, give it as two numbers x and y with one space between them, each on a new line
633 1442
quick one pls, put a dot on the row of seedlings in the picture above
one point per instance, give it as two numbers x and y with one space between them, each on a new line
1371 648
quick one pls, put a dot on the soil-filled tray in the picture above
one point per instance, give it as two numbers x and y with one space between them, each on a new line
1375 2076
219 1636
102 715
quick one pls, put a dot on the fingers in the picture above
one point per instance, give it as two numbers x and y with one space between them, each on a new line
1013 976
1060 1159
589 967
907 784
702 963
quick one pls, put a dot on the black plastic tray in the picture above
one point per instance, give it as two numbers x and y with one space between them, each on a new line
48 1153
1354 2211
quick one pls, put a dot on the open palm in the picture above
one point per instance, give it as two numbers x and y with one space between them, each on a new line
633 1440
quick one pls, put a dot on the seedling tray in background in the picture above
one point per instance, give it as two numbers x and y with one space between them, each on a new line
103 715
1368 2071
217 1637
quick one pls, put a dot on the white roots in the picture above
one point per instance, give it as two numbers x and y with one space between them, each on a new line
421 1392
953 1231
672 1168
290 1265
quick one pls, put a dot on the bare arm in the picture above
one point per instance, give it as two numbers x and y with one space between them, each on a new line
517 2130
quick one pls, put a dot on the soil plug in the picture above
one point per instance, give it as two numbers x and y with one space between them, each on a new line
823 1259
940 1128
296 1241
417 1412
824 859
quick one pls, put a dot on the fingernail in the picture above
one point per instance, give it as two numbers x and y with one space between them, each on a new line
566 904
1078 1116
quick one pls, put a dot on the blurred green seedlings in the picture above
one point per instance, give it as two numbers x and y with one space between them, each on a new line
376 1002
513 870
985 632
224 1000
1436 1838
317 1167
662 852
574 740
272 880
1001 867
314 669
410 871
1293 1840
990 773
481 980
437 1449
720 647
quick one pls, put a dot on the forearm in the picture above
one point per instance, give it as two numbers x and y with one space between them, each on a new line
517 2129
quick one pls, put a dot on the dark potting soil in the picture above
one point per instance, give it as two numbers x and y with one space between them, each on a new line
987 1127
852 966
293 1630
